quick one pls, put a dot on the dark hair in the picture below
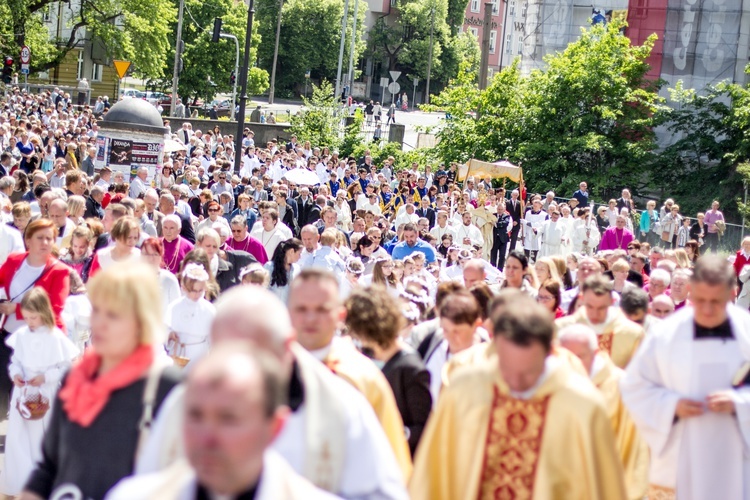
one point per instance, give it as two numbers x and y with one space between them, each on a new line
553 287
364 241
279 276
714 270
481 292
462 308
374 315
598 285
525 323
520 257
633 300
41 189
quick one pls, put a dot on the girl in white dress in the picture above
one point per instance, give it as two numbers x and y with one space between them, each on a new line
189 318
42 354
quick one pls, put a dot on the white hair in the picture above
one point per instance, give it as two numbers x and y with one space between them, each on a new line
172 218
579 333
660 275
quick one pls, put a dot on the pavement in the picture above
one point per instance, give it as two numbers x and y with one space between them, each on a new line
413 120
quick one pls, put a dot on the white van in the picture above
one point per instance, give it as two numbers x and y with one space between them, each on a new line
129 93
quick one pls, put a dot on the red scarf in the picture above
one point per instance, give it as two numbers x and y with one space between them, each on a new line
85 395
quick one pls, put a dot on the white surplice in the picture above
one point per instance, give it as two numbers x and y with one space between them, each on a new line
41 352
191 320
333 439
553 236
702 457
530 222
584 230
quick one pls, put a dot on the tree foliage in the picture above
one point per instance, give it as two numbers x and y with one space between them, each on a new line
310 39
589 115
134 30
207 66
319 121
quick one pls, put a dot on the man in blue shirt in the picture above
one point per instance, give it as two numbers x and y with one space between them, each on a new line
582 195
412 244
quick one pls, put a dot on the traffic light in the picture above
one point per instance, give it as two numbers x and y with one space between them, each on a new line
217 30
7 69
232 78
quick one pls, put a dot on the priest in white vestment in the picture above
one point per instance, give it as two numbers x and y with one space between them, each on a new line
554 235
688 392
234 408
332 436
467 234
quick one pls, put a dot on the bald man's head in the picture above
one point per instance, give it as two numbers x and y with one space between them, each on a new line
250 313
581 341
662 306
474 272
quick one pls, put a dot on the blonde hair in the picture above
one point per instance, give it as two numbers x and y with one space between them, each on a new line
36 300
134 289
683 261
552 269
76 204
619 266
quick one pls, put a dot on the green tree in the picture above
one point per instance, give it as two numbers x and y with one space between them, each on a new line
135 30
310 38
319 121
697 165
587 116
207 66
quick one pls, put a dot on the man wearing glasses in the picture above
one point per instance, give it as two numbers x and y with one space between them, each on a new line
222 185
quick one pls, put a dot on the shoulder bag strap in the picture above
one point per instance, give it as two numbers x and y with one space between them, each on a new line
149 403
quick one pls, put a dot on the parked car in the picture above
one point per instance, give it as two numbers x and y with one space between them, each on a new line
130 93
154 97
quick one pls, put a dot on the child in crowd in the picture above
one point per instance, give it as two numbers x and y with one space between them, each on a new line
42 353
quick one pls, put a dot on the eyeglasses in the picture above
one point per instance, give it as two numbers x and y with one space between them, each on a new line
544 298
214 209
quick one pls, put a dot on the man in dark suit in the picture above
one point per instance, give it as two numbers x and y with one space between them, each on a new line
500 237
426 211
515 210
151 199
316 210
304 206
292 144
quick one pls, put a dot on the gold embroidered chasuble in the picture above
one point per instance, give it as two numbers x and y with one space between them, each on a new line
620 338
633 450
483 443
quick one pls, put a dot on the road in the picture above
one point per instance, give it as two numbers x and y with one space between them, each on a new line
413 120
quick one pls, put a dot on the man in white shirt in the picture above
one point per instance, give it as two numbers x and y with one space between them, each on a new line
105 174
408 216
325 257
442 227
138 186
268 233
467 234
372 204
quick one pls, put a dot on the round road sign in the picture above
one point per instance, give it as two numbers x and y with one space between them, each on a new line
394 87
25 55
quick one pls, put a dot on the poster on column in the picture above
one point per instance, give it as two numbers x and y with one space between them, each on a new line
127 153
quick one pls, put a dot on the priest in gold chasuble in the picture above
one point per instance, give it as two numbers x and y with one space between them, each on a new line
521 426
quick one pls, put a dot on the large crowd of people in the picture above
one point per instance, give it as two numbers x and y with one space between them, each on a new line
387 331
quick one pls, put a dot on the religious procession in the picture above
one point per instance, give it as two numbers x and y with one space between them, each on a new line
315 326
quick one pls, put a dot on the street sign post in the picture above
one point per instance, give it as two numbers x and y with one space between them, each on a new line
414 95
394 75
121 67
394 89
25 62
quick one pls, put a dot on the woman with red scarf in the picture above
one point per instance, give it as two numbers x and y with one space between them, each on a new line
92 439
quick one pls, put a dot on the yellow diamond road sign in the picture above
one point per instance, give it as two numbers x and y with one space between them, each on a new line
121 67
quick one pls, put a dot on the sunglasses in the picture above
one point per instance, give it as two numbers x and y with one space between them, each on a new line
213 210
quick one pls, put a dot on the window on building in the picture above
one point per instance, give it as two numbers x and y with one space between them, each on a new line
523 9
495 6
508 44
493 40
490 74
96 72
520 44
45 14
475 5
79 73
393 3
512 7
475 32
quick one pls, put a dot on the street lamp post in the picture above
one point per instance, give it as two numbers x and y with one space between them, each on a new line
341 50
429 59
236 70
243 88
350 73
272 88
177 54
